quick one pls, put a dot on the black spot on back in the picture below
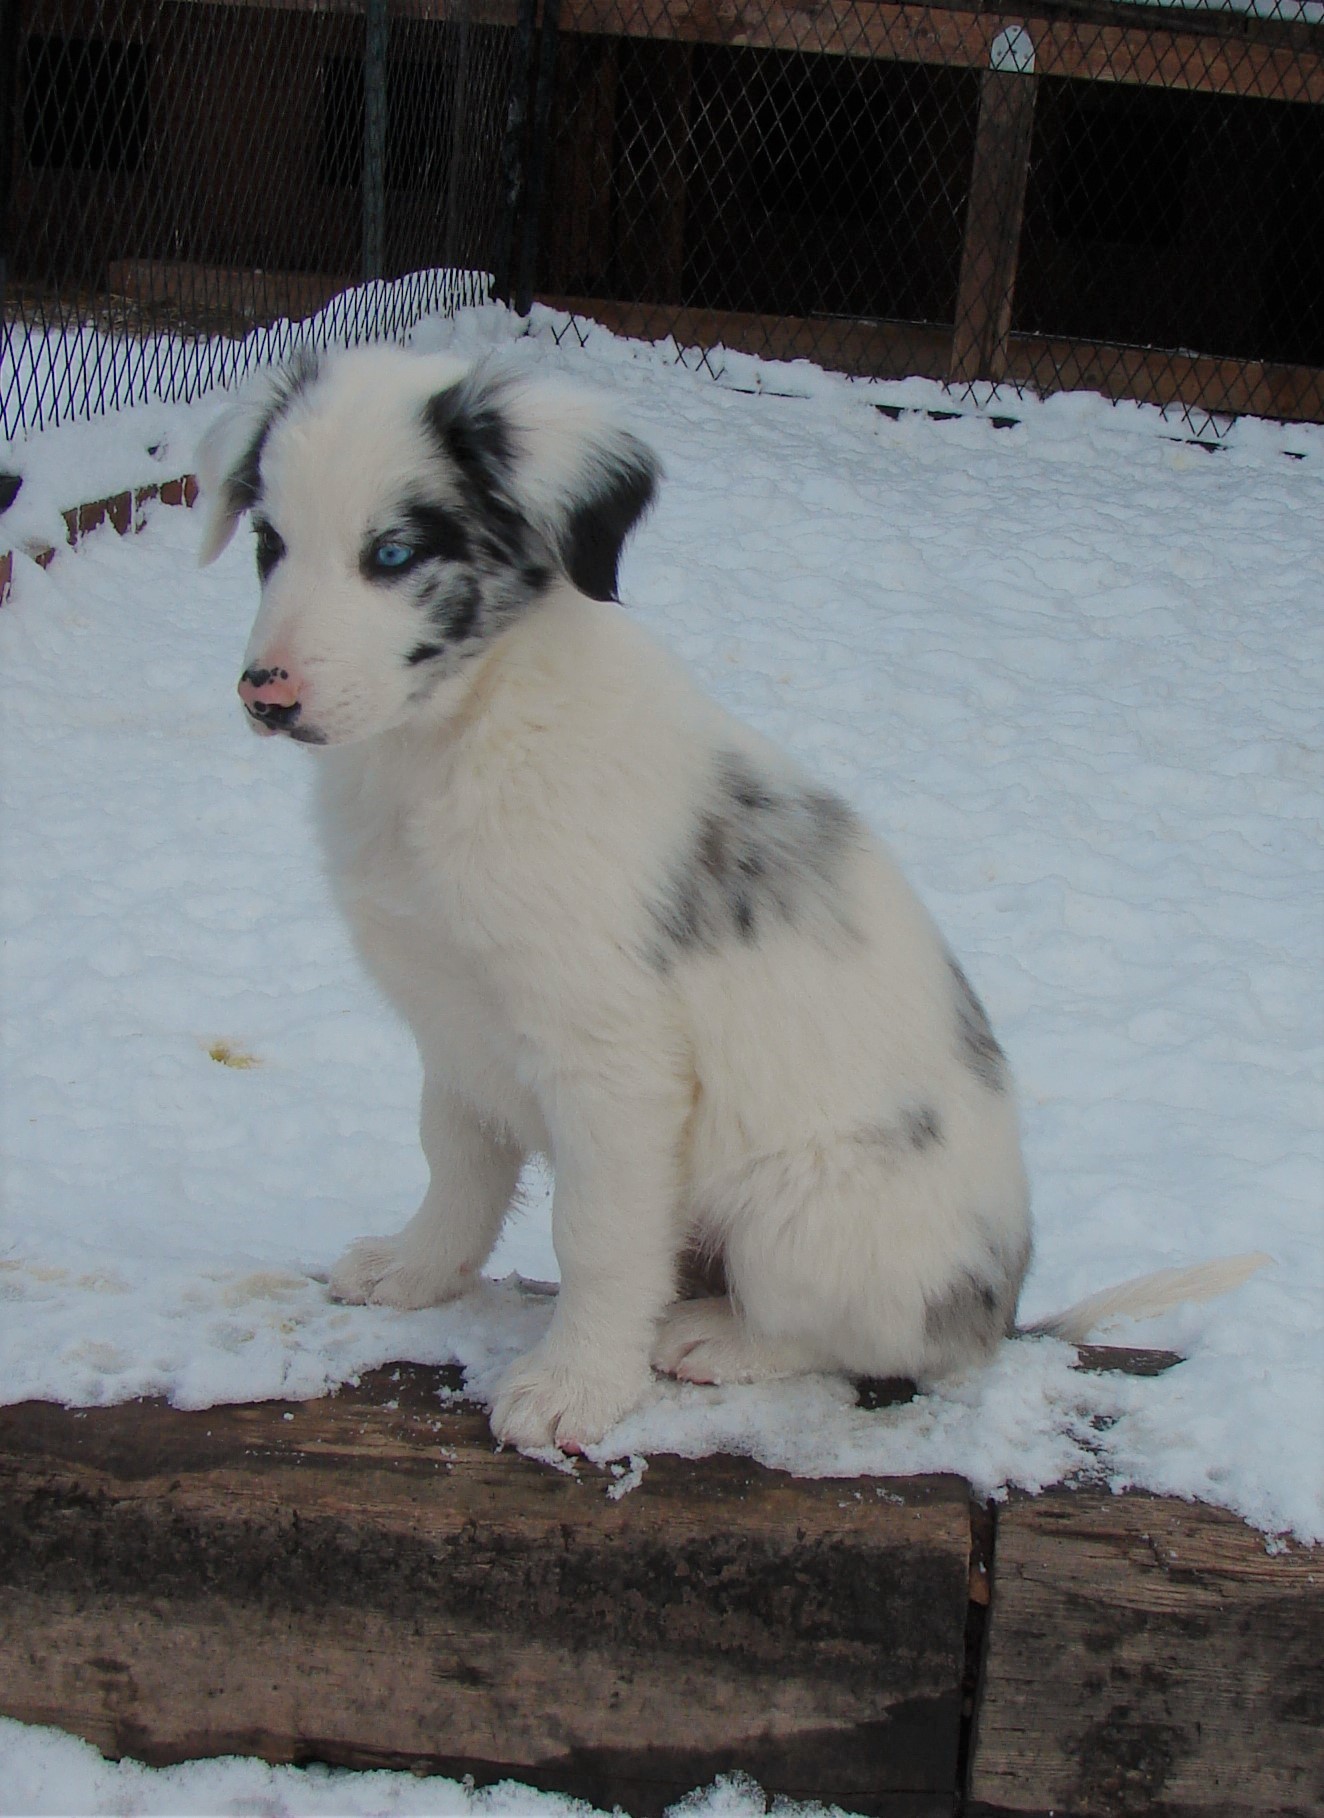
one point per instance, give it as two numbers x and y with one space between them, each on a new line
922 1127
759 855
978 1308
978 1044
967 1319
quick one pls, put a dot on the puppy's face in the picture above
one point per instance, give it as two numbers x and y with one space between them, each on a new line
407 512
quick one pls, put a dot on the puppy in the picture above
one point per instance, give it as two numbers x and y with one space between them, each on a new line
627 932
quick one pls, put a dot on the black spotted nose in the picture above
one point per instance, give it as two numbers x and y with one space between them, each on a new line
271 696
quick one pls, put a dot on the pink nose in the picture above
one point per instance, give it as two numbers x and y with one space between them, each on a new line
271 697
267 688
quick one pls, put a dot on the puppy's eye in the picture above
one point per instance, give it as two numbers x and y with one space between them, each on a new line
390 556
270 548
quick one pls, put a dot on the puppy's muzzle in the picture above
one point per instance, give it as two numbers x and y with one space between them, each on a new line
270 698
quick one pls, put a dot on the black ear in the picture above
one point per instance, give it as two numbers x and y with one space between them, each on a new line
618 490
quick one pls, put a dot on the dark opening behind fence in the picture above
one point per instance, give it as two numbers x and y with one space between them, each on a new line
1122 198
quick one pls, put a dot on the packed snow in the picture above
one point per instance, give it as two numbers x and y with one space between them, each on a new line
1071 669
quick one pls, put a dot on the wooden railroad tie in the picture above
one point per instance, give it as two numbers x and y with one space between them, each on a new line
365 1580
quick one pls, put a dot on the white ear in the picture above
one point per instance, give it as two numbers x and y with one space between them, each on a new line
227 465
230 452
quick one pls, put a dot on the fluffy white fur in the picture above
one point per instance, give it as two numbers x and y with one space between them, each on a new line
626 932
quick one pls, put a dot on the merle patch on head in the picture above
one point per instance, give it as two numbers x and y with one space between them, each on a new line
978 1044
469 425
472 424
758 856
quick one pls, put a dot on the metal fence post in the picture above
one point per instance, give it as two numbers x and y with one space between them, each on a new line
459 113
374 139
538 143
9 22
514 149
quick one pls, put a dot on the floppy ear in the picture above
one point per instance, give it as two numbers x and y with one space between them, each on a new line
555 457
229 461
228 466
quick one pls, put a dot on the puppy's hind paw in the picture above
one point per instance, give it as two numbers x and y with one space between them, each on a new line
376 1271
542 1401
706 1341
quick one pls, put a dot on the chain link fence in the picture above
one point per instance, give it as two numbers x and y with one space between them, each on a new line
1119 198
1124 199
178 175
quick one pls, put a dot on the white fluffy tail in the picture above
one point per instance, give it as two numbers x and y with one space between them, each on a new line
1147 1295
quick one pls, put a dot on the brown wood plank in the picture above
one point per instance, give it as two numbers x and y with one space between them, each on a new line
1208 53
902 349
1148 1656
872 349
1195 56
251 296
993 225
366 1580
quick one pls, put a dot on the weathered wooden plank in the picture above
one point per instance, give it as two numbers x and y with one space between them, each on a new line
901 349
1208 53
252 296
1148 1656
1196 55
993 225
365 1580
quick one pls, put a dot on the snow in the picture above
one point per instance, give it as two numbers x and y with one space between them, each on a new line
1071 669
50 1775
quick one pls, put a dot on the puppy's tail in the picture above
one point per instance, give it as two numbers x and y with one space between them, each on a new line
1146 1295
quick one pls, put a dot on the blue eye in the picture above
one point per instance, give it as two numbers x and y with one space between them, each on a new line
392 555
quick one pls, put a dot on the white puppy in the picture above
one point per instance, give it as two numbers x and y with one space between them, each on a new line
627 932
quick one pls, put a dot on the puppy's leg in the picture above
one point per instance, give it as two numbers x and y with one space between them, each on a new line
451 1235
614 1225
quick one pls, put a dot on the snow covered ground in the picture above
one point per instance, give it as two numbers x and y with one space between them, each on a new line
1071 669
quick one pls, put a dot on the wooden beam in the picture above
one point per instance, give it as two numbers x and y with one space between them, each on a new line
251 297
365 1580
893 350
1206 52
1192 56
993 224
872 349
1147 1656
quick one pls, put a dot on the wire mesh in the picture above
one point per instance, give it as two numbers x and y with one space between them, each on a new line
181 174
1085 194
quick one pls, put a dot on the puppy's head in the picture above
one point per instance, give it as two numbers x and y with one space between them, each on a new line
407 511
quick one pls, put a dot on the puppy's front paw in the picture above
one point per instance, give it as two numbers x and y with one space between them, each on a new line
543 1400
380 1271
